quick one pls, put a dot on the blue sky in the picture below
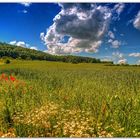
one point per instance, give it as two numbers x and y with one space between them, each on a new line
51 27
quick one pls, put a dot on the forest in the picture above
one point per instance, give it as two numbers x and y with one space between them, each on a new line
17 52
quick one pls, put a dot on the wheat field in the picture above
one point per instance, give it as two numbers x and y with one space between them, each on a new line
54 99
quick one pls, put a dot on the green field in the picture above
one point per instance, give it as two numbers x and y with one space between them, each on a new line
53 99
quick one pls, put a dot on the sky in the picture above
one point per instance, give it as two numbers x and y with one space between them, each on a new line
108 31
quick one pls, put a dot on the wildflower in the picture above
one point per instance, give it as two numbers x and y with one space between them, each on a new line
12 78
3 76
6 78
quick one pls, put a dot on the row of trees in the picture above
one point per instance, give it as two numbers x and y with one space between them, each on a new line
17 52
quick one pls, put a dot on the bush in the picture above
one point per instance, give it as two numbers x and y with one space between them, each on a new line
7 61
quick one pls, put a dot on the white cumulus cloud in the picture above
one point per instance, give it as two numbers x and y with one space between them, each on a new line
83 24
114 43
119 58
119 8
136 21
12 42
22 44
19 43
33 48
134 54
111 35
122 61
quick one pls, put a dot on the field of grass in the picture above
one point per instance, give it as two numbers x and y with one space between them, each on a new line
53 99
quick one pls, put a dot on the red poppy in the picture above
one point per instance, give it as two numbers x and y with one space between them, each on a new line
6 78
12 78
3 76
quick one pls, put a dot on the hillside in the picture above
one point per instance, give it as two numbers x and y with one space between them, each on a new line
16 52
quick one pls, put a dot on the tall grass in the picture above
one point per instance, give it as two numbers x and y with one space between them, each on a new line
71 100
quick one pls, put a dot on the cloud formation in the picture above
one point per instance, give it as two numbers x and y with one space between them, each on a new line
33 48
19 43
134 54
22 44
122 61
83 24
111 35
117 10
26 4
115 43
119 58
136 21
112 40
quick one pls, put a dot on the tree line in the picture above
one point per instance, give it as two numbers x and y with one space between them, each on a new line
17 52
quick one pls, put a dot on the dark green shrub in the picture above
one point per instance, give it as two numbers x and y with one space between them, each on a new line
7 61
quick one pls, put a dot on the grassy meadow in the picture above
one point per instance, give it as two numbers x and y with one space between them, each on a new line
54 99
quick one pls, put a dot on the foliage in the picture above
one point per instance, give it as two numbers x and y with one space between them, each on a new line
7 61
17 52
